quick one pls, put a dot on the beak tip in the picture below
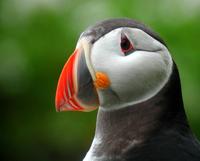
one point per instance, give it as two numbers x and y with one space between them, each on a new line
57 109
59 103
60 108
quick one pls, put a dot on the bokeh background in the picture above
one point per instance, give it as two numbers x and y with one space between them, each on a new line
37 37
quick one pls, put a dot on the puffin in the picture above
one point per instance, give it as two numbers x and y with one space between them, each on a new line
125 70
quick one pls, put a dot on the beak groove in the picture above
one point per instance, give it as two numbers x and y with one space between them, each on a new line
73 93
66 87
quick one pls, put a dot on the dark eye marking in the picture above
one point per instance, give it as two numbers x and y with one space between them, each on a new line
126 46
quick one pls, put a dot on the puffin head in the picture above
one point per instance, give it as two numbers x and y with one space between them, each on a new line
116 63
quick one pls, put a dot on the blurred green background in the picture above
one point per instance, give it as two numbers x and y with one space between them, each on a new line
36 38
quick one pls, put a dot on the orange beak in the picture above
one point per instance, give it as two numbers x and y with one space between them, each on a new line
75 89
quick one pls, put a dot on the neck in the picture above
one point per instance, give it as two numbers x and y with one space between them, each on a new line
123 129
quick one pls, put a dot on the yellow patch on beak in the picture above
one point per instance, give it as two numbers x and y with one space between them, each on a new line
102 81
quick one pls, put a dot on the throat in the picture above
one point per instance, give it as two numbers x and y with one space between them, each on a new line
124 129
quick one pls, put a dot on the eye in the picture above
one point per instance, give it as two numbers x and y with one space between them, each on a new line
126 45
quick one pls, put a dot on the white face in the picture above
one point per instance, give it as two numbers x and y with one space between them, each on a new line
135 76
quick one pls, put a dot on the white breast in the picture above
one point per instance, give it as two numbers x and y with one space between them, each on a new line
90 156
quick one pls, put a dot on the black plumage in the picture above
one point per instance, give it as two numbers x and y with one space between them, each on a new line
154 127
154 130
103 27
